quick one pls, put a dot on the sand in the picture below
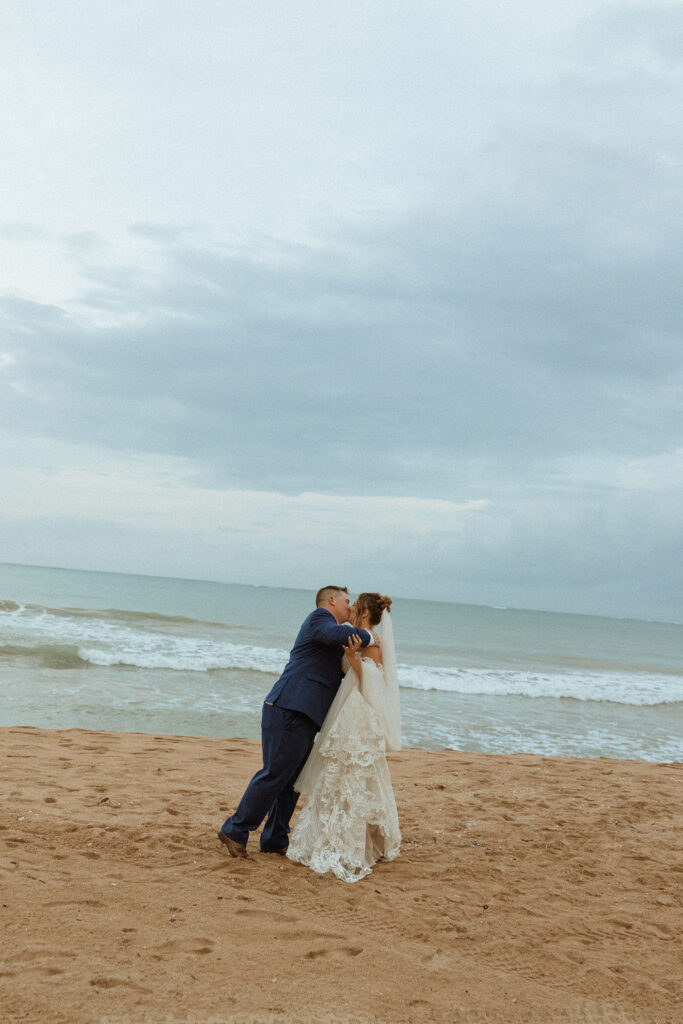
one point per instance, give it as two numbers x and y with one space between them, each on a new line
528 889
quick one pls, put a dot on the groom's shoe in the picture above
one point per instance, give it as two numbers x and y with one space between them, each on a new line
282 852
234 849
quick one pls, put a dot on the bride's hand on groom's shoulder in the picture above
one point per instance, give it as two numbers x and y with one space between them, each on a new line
351 648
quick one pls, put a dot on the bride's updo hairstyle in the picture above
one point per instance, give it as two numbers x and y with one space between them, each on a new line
375 604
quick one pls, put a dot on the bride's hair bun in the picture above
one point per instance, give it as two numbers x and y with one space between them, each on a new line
375 604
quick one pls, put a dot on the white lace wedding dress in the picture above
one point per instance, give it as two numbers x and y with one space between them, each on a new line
349 820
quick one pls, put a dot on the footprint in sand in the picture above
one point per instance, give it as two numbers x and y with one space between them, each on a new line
194 947
344 951
104 982
267 915
74 903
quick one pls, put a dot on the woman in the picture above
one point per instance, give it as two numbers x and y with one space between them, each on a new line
350 821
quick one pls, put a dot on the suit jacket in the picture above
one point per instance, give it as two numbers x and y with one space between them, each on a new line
313 673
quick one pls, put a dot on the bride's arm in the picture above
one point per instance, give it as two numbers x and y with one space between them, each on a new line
374 653
354 659
351 651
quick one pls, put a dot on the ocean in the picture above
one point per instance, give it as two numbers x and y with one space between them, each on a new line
93 650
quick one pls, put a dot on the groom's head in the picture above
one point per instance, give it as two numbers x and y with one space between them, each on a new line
335 600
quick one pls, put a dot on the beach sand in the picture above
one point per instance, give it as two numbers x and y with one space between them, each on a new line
528 889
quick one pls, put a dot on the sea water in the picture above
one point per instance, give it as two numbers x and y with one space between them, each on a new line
138 653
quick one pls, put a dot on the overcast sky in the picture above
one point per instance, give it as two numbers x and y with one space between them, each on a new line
382 293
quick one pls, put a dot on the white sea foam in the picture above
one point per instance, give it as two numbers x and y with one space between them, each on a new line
175 654
106 642
637 688
186 655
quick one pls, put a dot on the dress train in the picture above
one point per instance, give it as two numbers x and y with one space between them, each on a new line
349 820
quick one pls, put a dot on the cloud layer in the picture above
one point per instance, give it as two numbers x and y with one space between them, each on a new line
489 320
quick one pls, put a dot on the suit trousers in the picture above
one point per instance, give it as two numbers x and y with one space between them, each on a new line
286 739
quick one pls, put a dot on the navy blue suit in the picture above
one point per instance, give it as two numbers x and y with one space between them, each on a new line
293 712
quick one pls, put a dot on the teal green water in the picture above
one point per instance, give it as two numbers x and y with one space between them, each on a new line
113 651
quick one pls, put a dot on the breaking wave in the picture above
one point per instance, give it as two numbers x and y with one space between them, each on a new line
73 639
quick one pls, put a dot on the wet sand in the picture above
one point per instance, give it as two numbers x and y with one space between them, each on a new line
529 889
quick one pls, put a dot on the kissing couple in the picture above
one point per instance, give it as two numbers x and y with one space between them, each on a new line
340 682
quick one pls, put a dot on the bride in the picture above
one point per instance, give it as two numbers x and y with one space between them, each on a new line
349 821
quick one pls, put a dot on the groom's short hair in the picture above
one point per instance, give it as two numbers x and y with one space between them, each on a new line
323 594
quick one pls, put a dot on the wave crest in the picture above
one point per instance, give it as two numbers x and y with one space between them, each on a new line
57 656
636 688
68 640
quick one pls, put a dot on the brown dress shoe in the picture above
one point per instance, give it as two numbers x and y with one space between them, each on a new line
234 849
282 852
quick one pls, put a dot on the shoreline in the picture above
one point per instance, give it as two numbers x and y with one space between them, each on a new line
529 889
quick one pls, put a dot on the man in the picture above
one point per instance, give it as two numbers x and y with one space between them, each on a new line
293 712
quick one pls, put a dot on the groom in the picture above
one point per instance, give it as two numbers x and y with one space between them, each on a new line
293 712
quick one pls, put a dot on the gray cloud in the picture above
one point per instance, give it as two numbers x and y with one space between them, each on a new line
458 337
491 340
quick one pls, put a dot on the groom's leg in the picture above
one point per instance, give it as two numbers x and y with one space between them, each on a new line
286 738
276 830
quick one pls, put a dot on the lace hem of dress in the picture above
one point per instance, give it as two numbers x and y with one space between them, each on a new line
349 821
